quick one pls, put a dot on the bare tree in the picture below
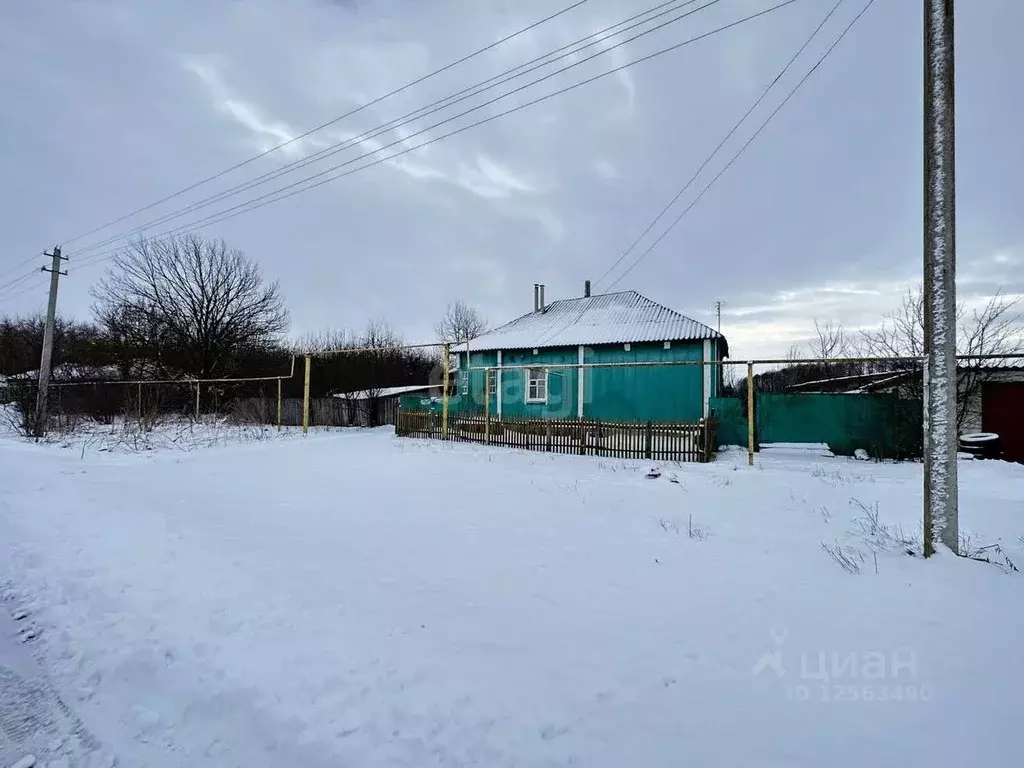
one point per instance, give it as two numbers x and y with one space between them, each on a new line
461 323
385 344
901 333
189 300
323 341
994 329
358 366
380 337
830 341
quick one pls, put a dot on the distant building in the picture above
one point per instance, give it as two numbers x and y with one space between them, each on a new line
374 407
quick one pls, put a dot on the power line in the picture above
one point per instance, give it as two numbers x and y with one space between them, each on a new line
723 142
410 117
30 287
227 213
17 281
263 200
749 141
554 332
18 265
331 122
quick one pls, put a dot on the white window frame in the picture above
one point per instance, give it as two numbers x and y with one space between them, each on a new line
464 383
492 383
531 377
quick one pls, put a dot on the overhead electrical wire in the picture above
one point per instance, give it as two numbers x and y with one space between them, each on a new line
18 265
215 217
552 333
290 190
746 144
18 280
7 289
739 123
297 187
329 123
23 291
410 117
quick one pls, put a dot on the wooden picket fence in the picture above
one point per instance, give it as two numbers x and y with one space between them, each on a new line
692 441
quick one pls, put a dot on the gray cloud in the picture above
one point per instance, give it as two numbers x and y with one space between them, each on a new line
110 105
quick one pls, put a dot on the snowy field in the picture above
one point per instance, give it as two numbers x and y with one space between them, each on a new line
358 599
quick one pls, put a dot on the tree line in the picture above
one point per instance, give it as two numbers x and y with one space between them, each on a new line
186 308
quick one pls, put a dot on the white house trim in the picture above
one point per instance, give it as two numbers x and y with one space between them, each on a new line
707 377
579 384
547 386
498 374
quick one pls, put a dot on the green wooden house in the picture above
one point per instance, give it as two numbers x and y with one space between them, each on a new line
608 328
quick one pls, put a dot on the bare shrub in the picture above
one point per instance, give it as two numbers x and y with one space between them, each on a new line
877 536
694 531
19 413
668 526
850 559
994 554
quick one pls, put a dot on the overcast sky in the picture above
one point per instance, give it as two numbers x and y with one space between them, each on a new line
109 105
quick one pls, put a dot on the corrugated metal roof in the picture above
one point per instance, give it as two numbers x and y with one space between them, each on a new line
609 318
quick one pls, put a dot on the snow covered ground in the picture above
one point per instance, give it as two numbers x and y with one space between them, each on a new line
358 599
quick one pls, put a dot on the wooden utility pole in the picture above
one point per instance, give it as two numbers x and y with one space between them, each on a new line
46 361
750 414
940 381
305 395
445 372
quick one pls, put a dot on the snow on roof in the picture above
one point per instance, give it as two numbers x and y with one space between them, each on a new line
366 394
609 318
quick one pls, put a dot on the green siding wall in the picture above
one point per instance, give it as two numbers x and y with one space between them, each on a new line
646 393
562 398
717 372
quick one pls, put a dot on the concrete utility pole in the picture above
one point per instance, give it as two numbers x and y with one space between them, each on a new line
940 387
46 361
718 310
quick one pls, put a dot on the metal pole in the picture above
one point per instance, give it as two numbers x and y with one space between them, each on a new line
487 406
445 364
46 361
940 387
198 386
279 402
750 414
305 396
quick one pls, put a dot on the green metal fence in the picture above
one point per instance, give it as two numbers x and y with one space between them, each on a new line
884 425
731 415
